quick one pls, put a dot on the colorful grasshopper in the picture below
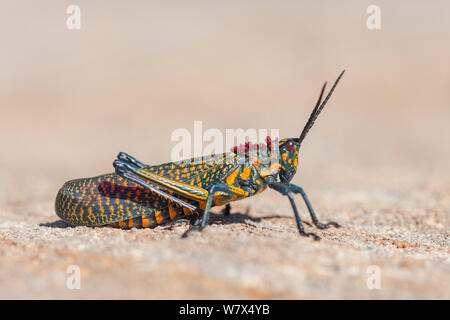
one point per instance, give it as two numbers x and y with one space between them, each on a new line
139 195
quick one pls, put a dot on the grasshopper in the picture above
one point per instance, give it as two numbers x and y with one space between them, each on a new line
140 195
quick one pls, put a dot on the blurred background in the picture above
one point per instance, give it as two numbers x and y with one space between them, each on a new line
70 100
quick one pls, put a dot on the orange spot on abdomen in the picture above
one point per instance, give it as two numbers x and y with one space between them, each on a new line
172 212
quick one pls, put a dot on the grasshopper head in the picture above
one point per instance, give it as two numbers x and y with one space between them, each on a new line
289 148
288 158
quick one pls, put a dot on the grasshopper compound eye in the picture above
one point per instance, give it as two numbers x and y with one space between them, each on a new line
290 145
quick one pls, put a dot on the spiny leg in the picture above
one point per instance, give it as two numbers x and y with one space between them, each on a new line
229 190
320 225
285 190
130 160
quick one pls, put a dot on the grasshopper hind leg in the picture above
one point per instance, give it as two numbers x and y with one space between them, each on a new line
225 188
132 161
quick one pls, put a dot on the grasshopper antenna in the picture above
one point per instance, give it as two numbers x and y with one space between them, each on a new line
318 108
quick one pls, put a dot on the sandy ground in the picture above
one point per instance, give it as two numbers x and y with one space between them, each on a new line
376 161
254 253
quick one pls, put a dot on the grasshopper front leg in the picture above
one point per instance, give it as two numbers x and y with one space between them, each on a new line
297 189
128 171
286 190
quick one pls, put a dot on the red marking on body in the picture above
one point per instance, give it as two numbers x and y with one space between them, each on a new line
110 189
252 146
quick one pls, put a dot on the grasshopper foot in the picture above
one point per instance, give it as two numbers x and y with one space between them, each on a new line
326 225
192 228
310 234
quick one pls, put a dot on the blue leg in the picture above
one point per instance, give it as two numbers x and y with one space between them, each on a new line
297 189
211 192
130 160
285 190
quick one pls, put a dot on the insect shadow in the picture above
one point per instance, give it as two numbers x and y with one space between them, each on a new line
230 218
59 224
237 217
216 218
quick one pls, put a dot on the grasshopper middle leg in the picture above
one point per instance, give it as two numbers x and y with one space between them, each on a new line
228 190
